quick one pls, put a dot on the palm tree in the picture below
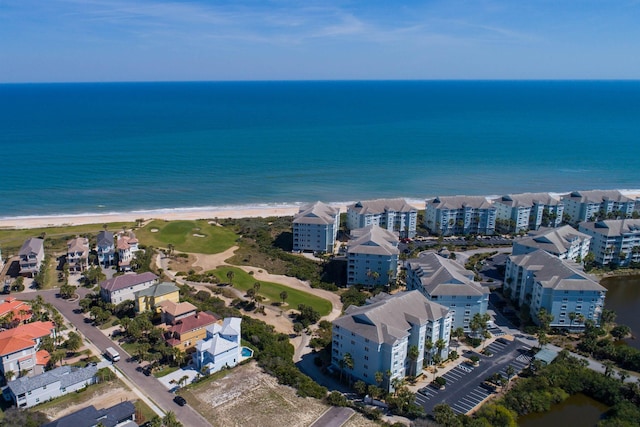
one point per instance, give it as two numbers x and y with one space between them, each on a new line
348 361
413 354
8 375
256 287
283 296
572 317
510 371
170 420
440 345
608 368
428 346
230 276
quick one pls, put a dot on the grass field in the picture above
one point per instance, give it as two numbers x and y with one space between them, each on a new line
187 236
271 291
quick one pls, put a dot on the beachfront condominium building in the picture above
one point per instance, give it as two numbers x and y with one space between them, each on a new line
615 241
564 242
597 204
527 211
543 281
460 215
122 288
315 228
379 336
392 214
127 246
449 284
220 348
372 256
105 248
78 254
31 256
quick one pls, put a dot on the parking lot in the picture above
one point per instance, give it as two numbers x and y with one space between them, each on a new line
464 389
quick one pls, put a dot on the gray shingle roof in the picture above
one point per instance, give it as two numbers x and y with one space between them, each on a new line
528 199
31 245
378 206
67 375
105 239
598 196
460 202
126 280
374 240
160 289
389 318
553 240
612 227
316 213
90 416
441 276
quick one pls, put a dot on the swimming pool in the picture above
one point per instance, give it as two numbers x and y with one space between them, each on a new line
247 352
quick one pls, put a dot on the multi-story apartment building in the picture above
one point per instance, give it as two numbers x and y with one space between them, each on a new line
106 248
31 256
541 280
78 254
597 204
527 211
392 214
614 241
564 242
121 288
372 256
315 228
460 215
449 284
378 336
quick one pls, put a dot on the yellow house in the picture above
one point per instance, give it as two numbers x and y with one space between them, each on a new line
149 298
186 333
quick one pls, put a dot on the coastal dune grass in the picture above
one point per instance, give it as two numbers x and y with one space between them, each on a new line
187 236
244 281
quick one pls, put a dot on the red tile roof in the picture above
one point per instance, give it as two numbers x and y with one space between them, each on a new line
11 345
29 330
42 357
13 305
197 321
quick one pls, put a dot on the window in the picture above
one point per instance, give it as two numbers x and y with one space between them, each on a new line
366 358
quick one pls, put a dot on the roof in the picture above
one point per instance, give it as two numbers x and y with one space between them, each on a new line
216 343
554 240
379 206
191 323
460 202
67 375
316 213
90 416
32 330
390 317
546 355
125 241
598 196
528 200
15 306
553 272
374 240
42 357
158 290
176 309
613 227
127 280
105 239
79 244
442 276
11 345
32 245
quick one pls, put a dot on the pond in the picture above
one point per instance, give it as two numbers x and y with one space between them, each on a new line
623 297
577 410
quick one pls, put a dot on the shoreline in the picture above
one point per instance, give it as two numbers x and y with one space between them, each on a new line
209 212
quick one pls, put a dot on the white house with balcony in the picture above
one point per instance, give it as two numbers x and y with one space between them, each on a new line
528 211
614 241
127 245
372 256
544 281
392 214
378 336
106 248
564 242
221 348
460 215
597 204
31 256
315 228
78 254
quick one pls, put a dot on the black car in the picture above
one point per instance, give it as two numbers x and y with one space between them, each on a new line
180 400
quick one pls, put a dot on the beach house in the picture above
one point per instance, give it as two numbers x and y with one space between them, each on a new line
449 284
78 254
560 287
460 215
106 249
121 288
597 204
15 312
186 332
31 256
391 214
372 256
20 347
149 298
615 241
173 311
527 211
127 245
379 336
564 242
315 228
221 346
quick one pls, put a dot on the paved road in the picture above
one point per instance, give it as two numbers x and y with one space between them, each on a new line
334 417
150 386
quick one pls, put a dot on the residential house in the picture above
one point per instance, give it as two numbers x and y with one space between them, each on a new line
615 241
105 248
122 414
221 347
392 214
173 311
19 347
186 332
597 204
460 215
149 298
78 254
449 284
528 211
564 242
31 256
14 311
315 228
122 288
372 256
26 392
543 281
127 246
379 336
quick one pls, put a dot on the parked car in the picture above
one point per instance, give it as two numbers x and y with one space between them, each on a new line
180 400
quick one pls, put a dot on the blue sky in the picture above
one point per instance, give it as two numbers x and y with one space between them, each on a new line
151 40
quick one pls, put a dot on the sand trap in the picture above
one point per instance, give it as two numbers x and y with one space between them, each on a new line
154 230
198 235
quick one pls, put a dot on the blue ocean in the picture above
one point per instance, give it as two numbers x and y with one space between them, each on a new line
120 147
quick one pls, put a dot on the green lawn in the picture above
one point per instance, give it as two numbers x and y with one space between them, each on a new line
187 236
271 291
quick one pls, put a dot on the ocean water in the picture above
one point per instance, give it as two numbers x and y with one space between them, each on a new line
120 147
